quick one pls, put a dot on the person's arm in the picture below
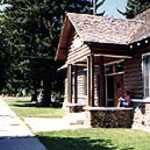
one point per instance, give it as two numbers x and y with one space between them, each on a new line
118 105
119 101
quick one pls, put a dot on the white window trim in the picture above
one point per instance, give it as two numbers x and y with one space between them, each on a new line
114 62
142 65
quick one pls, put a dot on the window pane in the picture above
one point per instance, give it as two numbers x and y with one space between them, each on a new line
109 69
119 67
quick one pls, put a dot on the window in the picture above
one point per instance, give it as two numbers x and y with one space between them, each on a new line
114 68
146 74
119 67
109 69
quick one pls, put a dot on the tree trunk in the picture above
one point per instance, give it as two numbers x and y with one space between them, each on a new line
46 99
35 92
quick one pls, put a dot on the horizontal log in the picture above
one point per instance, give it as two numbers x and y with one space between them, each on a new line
76 54
73 50
77 59
72 56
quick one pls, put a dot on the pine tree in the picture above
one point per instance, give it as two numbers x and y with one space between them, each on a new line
135 7
31 28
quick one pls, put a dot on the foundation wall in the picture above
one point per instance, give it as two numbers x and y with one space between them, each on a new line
109 117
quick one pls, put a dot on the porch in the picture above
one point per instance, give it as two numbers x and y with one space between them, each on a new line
103 85
96 81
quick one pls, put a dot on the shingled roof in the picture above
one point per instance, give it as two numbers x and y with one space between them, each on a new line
144 31
101 29
105 30
145 16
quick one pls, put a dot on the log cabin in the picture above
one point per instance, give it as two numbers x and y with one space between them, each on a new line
103 57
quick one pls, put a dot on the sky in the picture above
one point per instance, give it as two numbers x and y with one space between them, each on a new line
110 6
2 7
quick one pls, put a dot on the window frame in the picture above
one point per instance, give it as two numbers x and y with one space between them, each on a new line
143 76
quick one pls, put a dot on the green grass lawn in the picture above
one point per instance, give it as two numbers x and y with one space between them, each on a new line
96 139
83 139
23 108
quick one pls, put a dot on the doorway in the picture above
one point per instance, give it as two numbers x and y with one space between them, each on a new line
114 89
114 83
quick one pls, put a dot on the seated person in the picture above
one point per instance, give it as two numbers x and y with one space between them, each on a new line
125 100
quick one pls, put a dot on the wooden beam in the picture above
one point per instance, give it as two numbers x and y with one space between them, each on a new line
88 81
112 52
75 84
102 100
69 76
80 65
92 80
112 55
107 46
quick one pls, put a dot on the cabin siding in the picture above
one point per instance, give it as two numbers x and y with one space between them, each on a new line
82 86
77 51
132 81
133 77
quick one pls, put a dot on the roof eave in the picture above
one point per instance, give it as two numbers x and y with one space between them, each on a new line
64 38
57 57
98 44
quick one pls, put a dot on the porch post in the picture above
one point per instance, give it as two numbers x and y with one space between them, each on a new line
102 101
69 75
75 84
90 80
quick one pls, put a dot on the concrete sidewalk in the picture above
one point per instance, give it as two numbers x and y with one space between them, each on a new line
50 124
70 121
14 134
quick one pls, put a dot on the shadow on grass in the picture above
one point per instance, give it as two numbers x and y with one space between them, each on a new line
26 104
130 148
29 104
23 101
82 143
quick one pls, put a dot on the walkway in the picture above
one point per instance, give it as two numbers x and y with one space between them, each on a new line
71 121
14 134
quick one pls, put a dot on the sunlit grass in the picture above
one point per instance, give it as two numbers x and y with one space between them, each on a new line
24 108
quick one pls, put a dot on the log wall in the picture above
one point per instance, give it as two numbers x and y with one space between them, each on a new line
82 86
78 51
133 76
